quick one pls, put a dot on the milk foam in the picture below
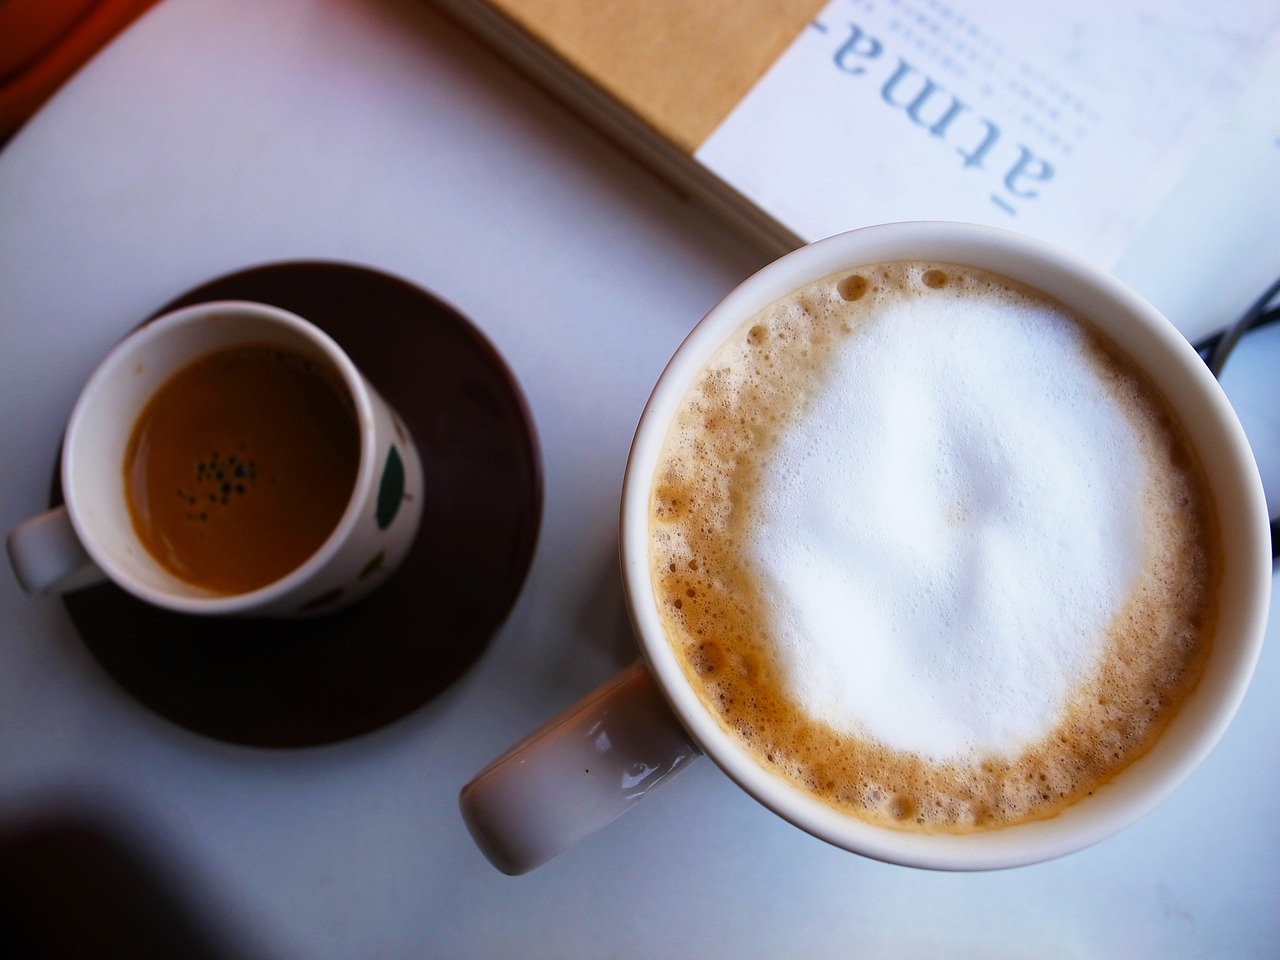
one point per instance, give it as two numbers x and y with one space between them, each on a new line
931 550
916 559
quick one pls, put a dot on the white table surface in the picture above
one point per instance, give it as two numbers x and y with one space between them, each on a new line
219 134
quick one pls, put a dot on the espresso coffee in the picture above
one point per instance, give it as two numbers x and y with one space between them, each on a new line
240 466
932 549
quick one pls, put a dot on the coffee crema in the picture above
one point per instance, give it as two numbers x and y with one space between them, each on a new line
240 466
932 549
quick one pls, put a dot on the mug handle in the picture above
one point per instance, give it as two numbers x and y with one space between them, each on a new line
47 556
576 773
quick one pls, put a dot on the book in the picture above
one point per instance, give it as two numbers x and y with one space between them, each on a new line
797 119
655 76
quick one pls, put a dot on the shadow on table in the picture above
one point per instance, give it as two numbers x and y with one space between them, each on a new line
72 887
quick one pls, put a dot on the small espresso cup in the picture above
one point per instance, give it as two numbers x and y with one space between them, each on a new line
228 458
1078 467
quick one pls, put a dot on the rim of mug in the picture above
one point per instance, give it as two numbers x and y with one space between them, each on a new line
167 325
1207 417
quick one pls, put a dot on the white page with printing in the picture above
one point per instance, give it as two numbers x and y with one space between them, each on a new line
1068 121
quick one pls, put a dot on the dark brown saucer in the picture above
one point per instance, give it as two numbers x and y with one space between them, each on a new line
305 682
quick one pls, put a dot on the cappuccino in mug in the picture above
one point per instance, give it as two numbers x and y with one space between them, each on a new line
932 549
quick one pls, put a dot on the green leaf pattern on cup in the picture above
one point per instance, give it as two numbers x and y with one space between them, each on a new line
390 495
373 566
390 489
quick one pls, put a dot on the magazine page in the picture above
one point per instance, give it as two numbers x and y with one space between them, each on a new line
1069 121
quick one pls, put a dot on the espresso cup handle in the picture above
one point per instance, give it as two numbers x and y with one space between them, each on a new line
47 556
576 773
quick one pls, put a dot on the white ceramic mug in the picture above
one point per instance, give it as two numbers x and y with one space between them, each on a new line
590 764
92 537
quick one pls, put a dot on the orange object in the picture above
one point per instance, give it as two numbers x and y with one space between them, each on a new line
43 42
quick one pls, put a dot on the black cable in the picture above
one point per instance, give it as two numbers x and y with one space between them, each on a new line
1215 349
